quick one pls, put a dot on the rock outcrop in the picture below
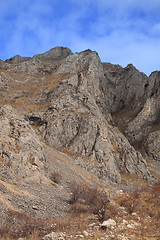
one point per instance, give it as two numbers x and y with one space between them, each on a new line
54 53
79 119
96 111
21 150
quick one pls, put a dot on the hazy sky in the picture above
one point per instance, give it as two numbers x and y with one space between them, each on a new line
121 31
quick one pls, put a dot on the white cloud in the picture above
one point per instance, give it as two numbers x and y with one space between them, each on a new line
114 31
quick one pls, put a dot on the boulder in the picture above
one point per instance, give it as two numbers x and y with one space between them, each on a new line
108 224
50 236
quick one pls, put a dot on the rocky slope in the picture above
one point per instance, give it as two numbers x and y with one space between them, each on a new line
72 114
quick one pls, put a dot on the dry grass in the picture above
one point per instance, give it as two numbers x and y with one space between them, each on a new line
19 225
146 204
1 159
34 236
85 204
85 199
133 178
72 224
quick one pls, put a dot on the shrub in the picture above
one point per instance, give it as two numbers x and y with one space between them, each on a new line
88 199
111 211
129 202
56 177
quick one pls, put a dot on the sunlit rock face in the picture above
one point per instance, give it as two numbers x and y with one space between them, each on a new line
21 150
104 115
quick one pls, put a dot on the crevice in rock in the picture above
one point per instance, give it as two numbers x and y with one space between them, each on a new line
95 141
71 142
79 81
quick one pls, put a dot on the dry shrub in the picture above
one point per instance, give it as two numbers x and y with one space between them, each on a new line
86 199
56 177
80 208
19 225
111 211
129 201
34 236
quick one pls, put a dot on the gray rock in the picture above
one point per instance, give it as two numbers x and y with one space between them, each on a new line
4 81
123 86
4 65
147 120
54 53
17 59
82 99
21 150
50 236
152 144
108 224
32 66
78 120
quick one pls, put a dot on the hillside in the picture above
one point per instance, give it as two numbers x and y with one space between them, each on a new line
68 120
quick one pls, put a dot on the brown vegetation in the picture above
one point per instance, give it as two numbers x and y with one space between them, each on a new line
56 177
88 199
19 225
140 206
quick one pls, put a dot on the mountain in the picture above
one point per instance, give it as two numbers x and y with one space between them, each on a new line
69 116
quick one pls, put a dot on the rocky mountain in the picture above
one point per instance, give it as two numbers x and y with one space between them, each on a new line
71 114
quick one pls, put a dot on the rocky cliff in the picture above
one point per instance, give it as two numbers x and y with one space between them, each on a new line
103 118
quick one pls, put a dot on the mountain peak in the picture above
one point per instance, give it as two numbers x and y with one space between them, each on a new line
54 53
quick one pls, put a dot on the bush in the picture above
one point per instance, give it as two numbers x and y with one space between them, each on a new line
88 199
129 202
56 177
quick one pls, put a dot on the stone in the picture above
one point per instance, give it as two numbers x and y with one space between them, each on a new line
50 236
85 233
130 226
134 214
35 207
108 224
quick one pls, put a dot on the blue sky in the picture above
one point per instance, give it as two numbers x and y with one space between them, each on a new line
121 31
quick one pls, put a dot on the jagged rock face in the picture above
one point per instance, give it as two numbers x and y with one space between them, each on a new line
54 53
21 150
152 144
79 94
80 88
17 59
124 87
144 128
3 82
78 121
108 152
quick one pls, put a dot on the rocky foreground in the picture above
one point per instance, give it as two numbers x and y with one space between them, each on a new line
68 120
